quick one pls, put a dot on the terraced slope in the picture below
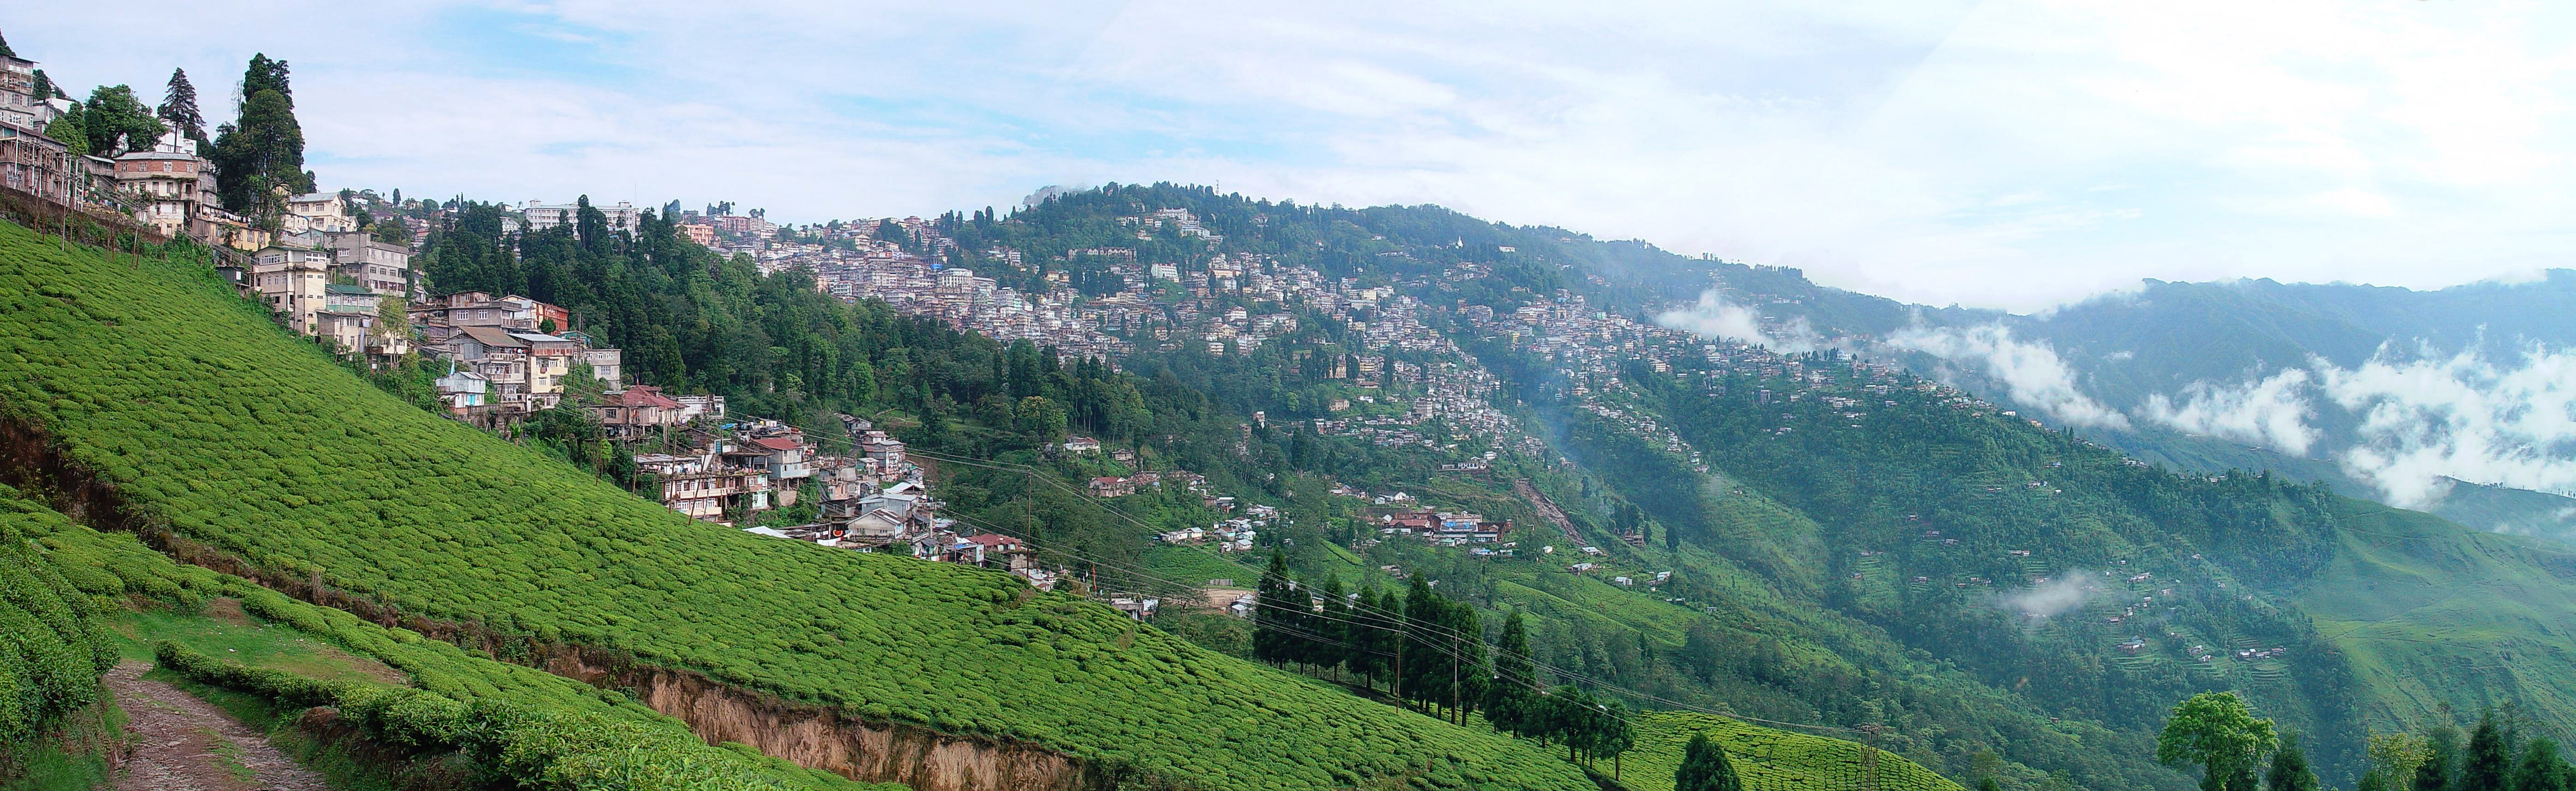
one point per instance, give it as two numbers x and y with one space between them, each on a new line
211 424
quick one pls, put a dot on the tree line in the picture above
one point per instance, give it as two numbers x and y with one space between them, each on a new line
2217 732
1428 651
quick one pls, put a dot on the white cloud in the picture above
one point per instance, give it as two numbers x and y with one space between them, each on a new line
2425 417
2272 411
2052 598
1713 316
2032 373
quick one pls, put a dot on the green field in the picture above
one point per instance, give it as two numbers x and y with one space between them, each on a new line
211 422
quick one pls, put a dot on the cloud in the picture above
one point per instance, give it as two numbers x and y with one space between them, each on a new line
1713 316
2425 417
2053 598
2032 373
2272 412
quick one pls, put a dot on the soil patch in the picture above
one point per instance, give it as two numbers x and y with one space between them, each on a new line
181 743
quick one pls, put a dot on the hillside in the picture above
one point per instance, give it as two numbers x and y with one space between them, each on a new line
223 437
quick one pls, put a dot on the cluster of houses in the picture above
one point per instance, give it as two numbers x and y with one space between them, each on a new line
1441 528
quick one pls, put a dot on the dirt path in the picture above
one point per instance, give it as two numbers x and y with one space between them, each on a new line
185 744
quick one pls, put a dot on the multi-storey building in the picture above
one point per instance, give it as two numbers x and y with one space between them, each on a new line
169 183
382 267
291 281
541 216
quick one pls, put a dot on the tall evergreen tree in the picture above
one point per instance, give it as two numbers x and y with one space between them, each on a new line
1508 700
1274 614
179 107
1331 647
2488 765
1705 768
1372 635
1425 675
259 158
4 47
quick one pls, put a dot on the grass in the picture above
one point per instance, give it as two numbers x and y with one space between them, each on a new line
72 759
2432 617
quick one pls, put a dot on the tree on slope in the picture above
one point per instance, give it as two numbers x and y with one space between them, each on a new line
2394 760
1705 768
2442 759
2489 762
1508 700
2542 768
2218 732
1277 614
260 155
179 107
2290 770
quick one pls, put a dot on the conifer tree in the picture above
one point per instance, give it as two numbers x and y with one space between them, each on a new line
1425 673
2489 761
4 48
261 154
179 107
1331 647
1705 768
1273 620
1508 700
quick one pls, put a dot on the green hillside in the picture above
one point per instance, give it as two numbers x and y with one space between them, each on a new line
1770 760
214 425
2432 615
408 690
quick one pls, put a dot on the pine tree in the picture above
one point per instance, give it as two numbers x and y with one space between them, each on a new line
2489 761
1331 647
1273 620
1705 768
1425 671
2290 770
179 107
4 48
1507 702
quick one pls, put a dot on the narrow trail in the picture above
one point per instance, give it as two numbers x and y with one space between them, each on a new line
185 744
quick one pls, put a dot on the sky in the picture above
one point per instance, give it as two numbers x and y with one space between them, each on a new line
2012 154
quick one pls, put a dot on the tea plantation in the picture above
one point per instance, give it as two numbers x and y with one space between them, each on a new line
208 419
533 728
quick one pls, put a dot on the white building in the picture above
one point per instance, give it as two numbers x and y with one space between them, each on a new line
540 216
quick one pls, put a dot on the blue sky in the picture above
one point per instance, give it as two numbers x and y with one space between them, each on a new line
2010 154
